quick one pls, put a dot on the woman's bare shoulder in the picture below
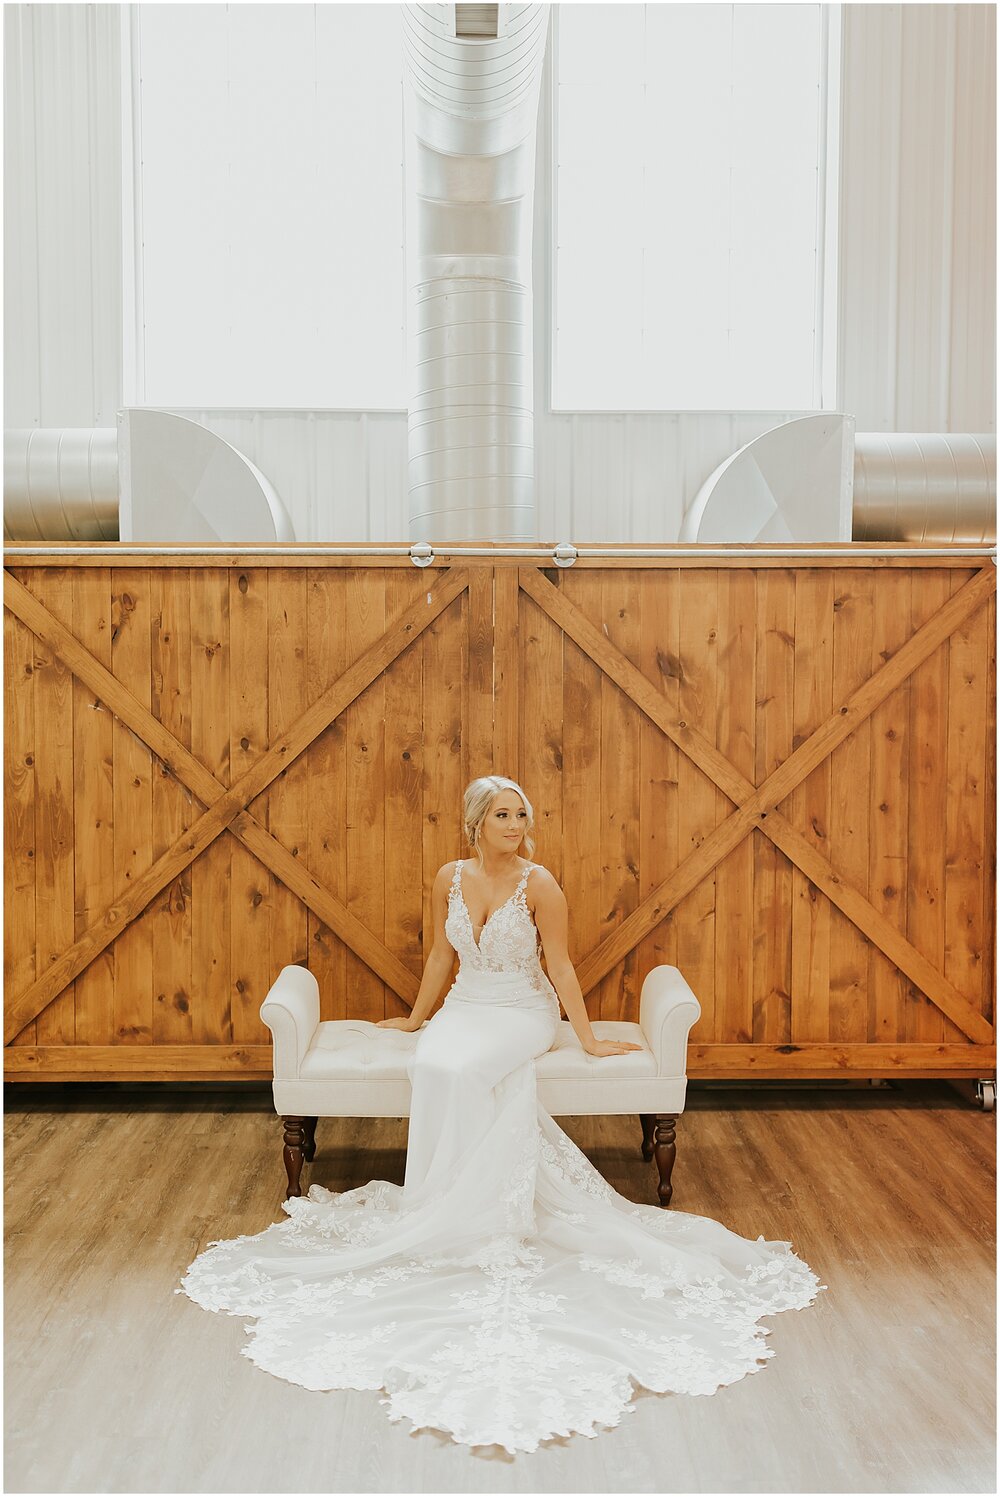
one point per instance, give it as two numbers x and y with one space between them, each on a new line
542 881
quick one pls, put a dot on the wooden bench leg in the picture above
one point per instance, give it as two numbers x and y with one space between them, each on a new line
309 1147
295 1131
648 1121
665 1150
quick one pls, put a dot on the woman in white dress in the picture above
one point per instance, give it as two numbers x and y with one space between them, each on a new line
505 1293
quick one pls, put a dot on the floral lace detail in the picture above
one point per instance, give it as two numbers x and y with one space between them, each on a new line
628 1273
519 1192
506 1374
575 1168
508 942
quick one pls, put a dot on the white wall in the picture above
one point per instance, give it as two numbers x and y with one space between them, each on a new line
917 339
916 334
62 215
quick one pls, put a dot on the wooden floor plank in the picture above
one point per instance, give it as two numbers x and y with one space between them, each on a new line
884 1384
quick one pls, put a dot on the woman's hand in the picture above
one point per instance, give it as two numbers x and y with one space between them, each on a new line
611 1047
405 1024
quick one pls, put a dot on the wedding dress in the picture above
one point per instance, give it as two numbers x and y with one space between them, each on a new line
505 1293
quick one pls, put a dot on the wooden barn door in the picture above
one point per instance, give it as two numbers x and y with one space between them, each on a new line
778 779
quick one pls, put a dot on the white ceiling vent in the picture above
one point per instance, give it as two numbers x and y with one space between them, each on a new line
477 20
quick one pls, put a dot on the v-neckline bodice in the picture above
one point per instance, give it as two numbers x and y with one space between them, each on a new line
493 913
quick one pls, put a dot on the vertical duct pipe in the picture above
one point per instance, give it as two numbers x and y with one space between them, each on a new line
470 112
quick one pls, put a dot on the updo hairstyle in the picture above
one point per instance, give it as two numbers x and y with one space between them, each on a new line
478 798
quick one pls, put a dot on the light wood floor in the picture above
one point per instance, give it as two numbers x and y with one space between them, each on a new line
116 1384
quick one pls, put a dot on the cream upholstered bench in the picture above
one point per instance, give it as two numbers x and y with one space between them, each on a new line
351 1068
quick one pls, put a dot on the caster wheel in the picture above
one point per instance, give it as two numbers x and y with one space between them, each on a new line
986 1095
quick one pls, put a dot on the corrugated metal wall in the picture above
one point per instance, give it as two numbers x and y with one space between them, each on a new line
62 215
916 337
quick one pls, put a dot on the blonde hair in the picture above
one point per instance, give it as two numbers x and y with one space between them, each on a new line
476 802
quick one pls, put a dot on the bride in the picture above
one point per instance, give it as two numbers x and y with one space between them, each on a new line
505 1293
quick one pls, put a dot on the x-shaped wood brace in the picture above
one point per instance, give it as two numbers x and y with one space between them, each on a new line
226 809
755 806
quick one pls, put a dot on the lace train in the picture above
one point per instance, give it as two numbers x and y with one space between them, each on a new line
544 1329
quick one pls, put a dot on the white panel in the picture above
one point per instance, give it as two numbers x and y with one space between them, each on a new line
62 204
271 205
918 215
687 208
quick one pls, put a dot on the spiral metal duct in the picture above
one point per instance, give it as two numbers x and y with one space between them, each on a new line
60 484
470 109
925 486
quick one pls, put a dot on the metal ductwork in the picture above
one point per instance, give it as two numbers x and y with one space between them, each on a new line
925 486
154 477
472 75
814 479
61 484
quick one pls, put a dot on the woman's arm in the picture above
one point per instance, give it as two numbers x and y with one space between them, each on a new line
552 919
437 967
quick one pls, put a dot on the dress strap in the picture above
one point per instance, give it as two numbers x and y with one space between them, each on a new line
524 880
456 876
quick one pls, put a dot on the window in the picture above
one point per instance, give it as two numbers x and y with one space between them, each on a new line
691 216
269 251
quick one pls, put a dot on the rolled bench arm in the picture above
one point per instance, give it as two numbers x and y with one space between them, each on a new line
291 1013
667 1011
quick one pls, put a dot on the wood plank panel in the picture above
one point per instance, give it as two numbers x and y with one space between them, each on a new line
850 802
54 829
736 689
211 874
541 720
925 904
772 872
444 660
404 772
659 632
326 611
988 886
889 781
582 750
288 796
618 991
701 805
808 807
506 686
174 807
705 1061
131 626
251 960
965 829
94 810
20 800
750 662
365 826
477 712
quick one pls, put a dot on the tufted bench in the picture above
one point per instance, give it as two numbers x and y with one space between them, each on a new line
340 1068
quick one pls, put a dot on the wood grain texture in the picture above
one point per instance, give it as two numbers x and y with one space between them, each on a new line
772 872
173 807
212 893
93 808
253 888
54 819
778 780
20 797
131 626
